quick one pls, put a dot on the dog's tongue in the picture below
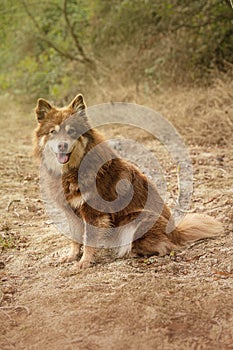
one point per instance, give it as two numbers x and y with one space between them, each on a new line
62 157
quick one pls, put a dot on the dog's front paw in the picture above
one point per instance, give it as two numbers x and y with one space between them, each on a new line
69 258
83 264
73 253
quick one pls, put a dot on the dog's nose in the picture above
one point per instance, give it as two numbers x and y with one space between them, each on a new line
63 147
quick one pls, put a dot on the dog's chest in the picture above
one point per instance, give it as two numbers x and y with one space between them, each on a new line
76 201
74 196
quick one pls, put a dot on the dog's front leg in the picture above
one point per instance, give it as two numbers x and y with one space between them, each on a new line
74 252
87 257
76 228
94 234
88 247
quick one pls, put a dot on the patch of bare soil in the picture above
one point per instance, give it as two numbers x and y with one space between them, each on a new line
181 301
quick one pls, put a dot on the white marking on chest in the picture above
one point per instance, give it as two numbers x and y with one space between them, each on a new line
76 201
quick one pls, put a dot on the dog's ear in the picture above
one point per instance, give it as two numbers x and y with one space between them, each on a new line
78 105
42 108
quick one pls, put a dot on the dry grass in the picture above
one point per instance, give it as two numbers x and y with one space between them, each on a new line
198 113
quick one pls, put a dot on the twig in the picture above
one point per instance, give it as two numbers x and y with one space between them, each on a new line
218 207
76 340
229 121
220 330
209 201
74 35
1 296
11 202
187 210
17 307
5 313
16 213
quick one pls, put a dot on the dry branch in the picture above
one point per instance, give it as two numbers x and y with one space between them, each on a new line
42 36
74 35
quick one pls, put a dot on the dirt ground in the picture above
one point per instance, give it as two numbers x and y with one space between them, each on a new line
181 301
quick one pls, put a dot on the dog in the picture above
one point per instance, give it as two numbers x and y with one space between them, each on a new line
107 202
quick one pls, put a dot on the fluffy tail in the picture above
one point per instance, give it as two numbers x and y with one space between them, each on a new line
194 227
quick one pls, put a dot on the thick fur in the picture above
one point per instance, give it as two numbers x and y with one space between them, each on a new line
62 139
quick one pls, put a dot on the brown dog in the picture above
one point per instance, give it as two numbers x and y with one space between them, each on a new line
107 201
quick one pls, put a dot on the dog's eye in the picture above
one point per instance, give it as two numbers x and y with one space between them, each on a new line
71 131
53 131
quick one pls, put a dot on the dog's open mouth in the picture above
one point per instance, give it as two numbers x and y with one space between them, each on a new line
63 158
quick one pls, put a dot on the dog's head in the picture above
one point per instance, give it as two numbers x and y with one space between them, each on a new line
60 130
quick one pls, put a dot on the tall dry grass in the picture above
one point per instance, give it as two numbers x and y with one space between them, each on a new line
203 115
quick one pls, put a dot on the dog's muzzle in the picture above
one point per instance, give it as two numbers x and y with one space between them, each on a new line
63 155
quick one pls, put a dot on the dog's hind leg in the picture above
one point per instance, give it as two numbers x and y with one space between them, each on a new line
155 241
143 233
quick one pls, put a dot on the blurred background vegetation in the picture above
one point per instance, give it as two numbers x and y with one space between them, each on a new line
57 48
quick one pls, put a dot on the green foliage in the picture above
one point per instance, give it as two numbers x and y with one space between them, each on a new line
169 36
37 46
52 48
